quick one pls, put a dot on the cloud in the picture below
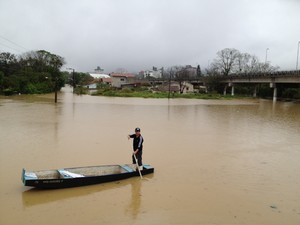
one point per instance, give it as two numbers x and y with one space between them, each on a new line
137 35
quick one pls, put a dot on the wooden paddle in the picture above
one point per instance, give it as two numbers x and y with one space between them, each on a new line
137 165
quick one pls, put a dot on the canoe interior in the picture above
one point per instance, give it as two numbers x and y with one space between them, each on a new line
83 171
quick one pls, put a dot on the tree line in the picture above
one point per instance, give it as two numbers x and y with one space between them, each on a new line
232 61
37 72
227 61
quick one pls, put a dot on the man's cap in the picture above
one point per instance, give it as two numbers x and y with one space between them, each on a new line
137 129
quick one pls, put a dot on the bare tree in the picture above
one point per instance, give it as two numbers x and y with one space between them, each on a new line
169 74
230 60
242 63
181 74
226 60
253 65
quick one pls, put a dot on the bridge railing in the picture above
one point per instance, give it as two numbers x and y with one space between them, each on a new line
290 73
266 74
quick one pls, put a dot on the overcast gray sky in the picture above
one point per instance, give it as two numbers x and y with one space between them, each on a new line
139 34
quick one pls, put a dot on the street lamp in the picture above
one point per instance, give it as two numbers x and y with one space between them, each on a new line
73 77
297 55
266 55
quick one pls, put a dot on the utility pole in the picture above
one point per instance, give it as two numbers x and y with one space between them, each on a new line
55 93
73 78
169 83
73 73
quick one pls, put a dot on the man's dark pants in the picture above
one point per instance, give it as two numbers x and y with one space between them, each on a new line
138 156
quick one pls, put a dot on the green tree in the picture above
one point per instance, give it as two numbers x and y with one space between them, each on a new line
47 65
8 63
32 72
78 78
1 81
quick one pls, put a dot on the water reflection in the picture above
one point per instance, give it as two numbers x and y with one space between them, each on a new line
135 203
35 196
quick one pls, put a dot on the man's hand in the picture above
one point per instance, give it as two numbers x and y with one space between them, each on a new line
136 151
128 137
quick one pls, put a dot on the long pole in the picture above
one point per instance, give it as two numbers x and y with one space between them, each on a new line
55 93
73 80
137 165
266 55
73 77
169 83
297 55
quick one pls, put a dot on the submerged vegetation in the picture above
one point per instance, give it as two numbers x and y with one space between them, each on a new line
144 93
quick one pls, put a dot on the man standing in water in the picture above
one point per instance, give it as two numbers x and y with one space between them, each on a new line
137 147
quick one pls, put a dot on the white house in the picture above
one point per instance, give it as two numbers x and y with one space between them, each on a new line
119 79
188 87
157 73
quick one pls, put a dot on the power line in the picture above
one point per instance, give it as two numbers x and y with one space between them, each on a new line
10 47
13 43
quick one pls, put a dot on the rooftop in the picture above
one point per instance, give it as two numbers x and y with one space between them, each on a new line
122 75
99 75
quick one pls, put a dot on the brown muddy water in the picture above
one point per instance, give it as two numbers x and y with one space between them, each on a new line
216 161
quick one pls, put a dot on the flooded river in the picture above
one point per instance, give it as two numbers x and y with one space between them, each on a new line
219 162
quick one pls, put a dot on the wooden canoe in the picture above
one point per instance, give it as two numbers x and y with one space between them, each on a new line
81 176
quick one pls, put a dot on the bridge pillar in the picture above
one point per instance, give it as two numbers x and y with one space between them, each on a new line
225 90
255 91
232 88
275 94
273 85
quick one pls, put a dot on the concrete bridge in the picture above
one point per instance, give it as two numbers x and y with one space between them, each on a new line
271 78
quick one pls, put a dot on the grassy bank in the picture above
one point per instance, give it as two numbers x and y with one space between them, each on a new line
149 94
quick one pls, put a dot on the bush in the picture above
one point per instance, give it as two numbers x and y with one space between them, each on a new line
265 91
291 93
31 89
127 90
214 84
244 89
8 91
81 90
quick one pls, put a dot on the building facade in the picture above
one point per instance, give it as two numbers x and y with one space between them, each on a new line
156 73
119 79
